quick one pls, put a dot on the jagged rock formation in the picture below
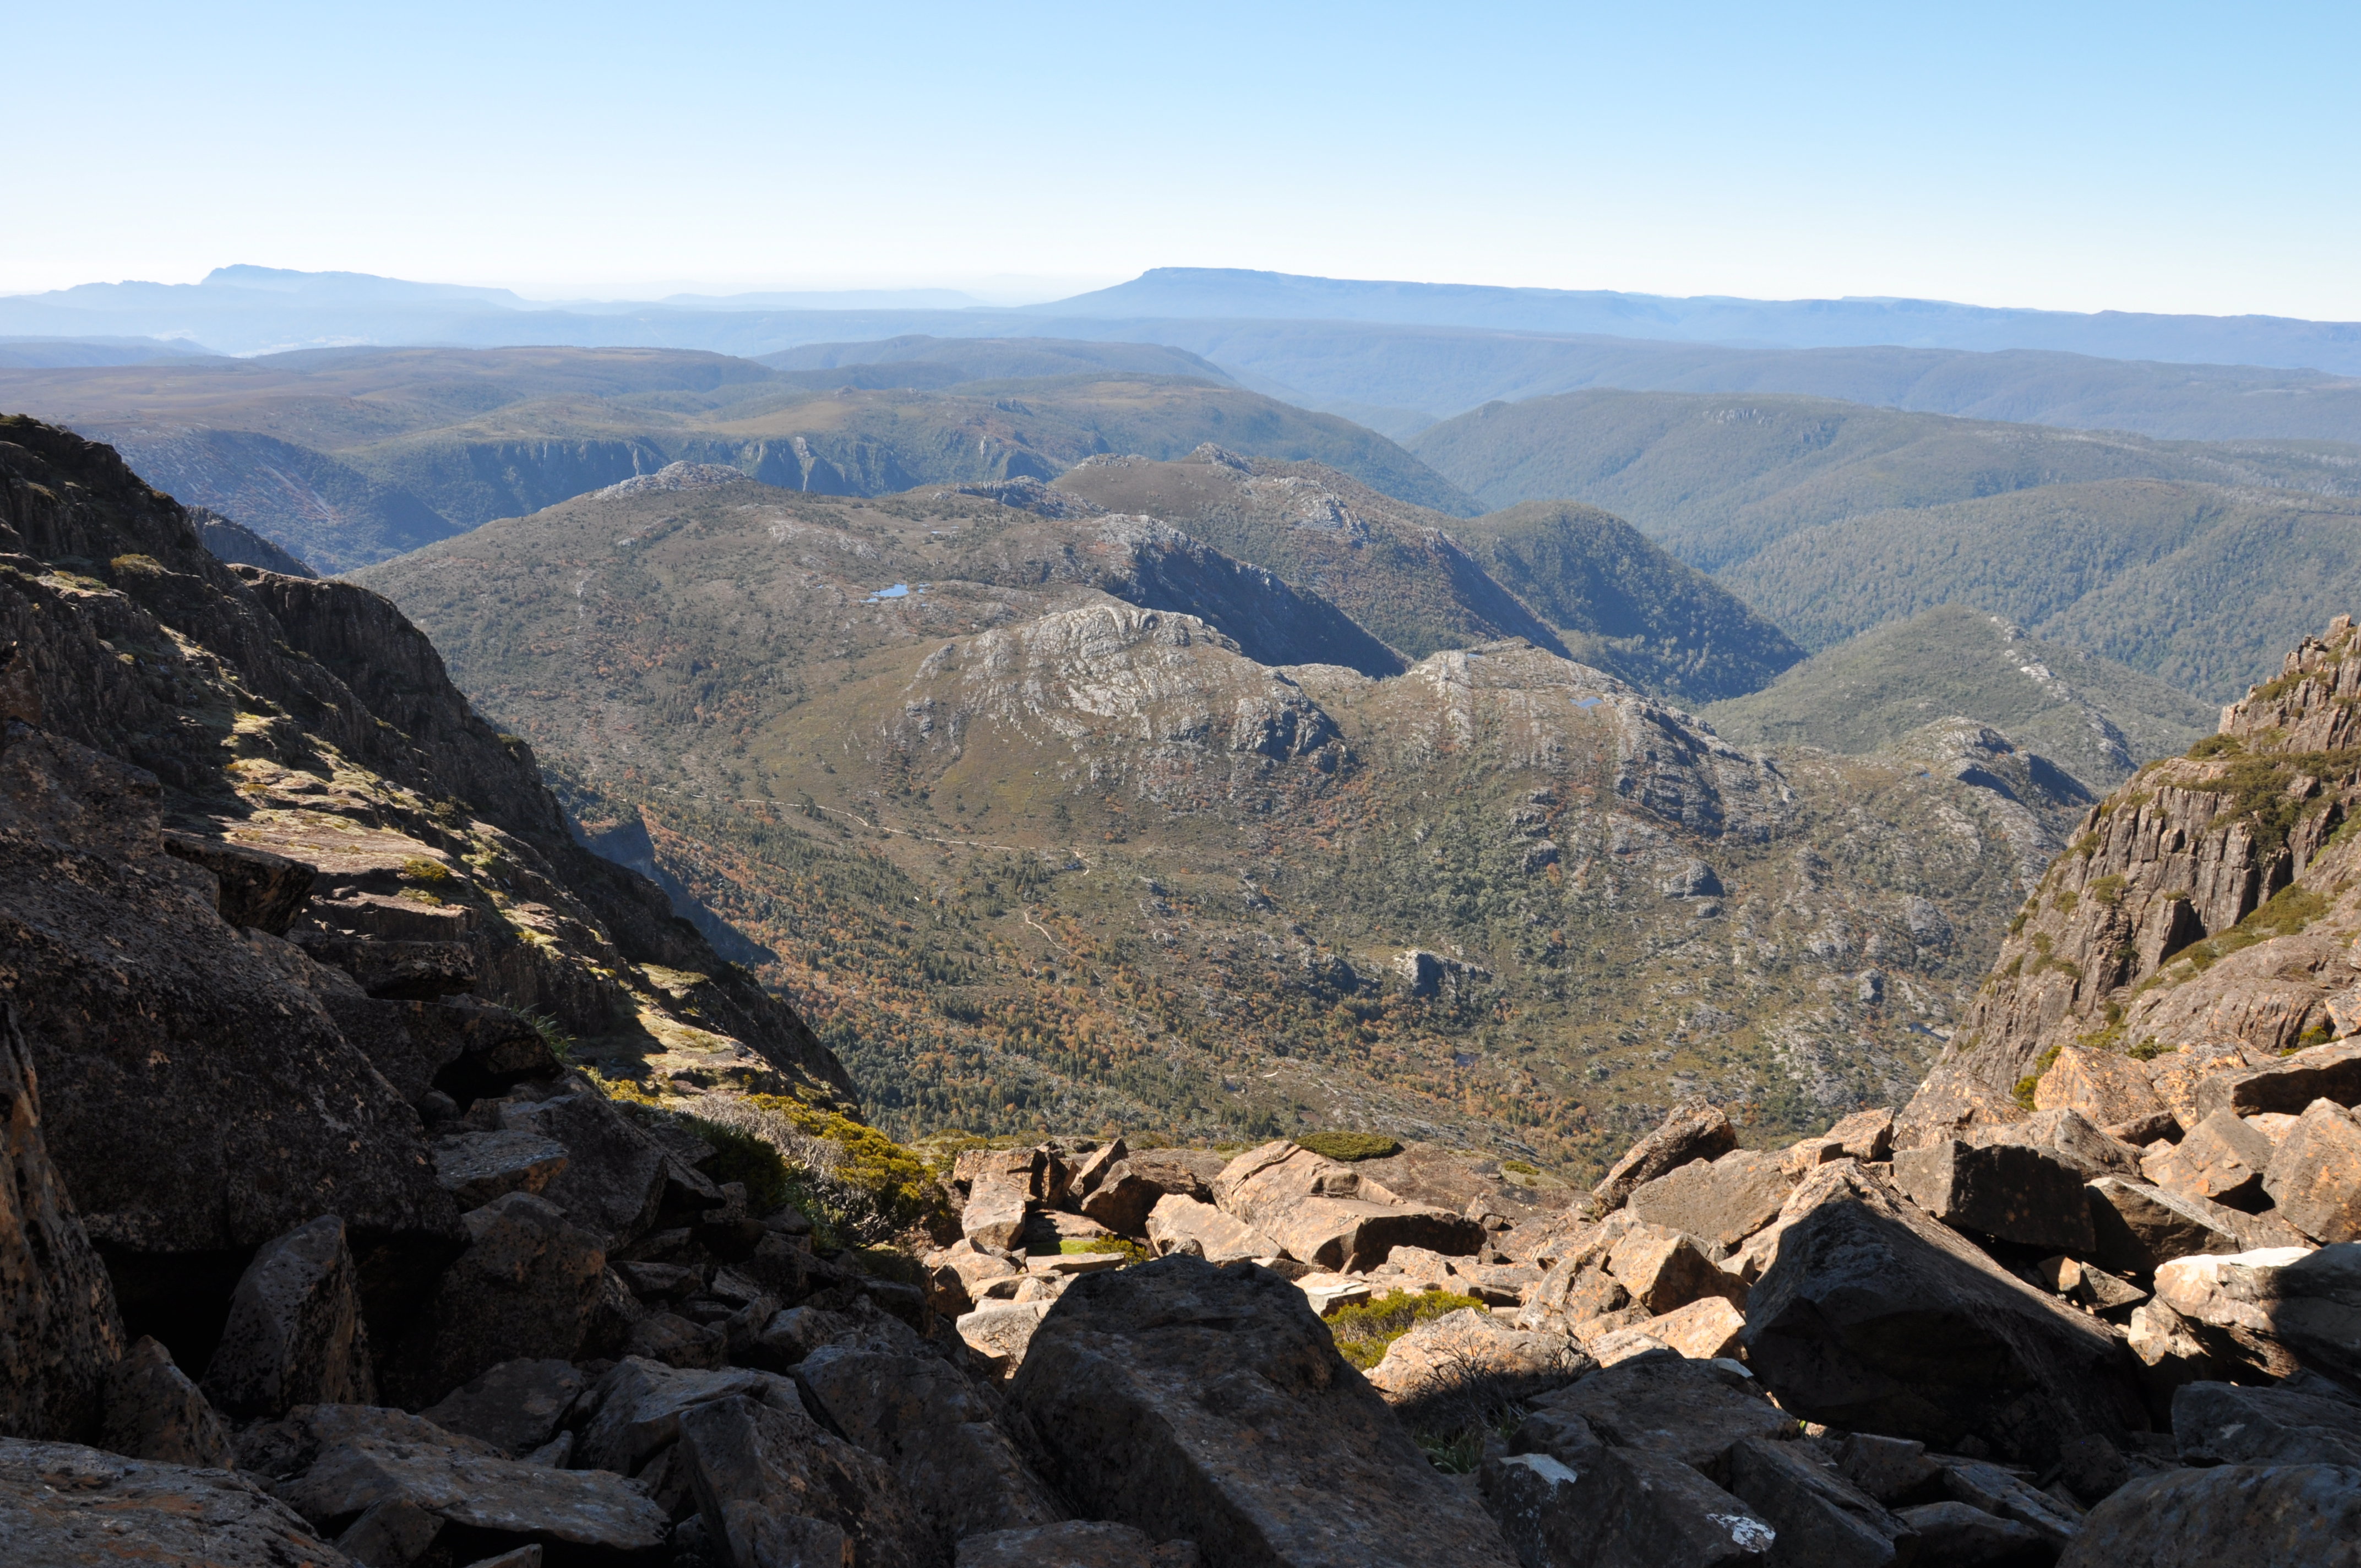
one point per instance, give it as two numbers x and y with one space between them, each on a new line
2202 905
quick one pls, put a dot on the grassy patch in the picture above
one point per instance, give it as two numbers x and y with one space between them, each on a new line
1350 1146
1363 1333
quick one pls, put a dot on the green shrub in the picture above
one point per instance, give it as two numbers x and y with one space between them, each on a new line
1363 1332
2215 746
561 1043
1520 1167
2147 1050
424 870
2023 1092
740 1155
1131 1251
1350 1146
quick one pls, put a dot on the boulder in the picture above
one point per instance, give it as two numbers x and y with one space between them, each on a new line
2308 1302
964 1275
1820 1518
2004 1495
2008 1192
1000 1331
1704 1328
634 1410
1179 1224
1188 1172
1320 1211
1094 1168
2224 1424
2069 1137
921 1416
592 1514
476 1168
613 1182
2103 1086
516 1406
1695 1130
1075 1544
994 1214
1723 1201
58 1329
153 1412
1025 1170
1863 1136
1664 1269
1691 1412
1209 1404
1472 1342
525 1288
2271 1516
294 1335
2176 1074
2222 1161
63 1506
773 1487
2315 1177
2170 1352
2136 1227
1875 1318
2330 1072
256 888
1627 1509
1122 1201
1956 1535
675 1341
1892 1470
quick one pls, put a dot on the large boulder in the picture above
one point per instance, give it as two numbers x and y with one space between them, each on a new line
2067 1136
2315 1177
1179 1224
63 1506
2268 1516
2305 1305
1695 1130
1723 1201
525 1288
2318 1073
1876 1319
612 1184
294 1334
922 1416
1209 1405
1692 1411
1821 1518
153 1412
516 1406
59 1331
1321 1212
2222 1161
2137 1228
633 1412
1625 1508
773 1487
1472 1342
2107 1087
2009 1192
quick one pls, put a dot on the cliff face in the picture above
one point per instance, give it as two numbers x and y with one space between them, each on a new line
273 900
2210 899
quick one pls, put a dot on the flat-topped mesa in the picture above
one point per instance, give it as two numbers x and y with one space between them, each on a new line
2205 901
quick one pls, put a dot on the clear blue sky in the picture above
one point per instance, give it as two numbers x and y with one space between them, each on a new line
2080 157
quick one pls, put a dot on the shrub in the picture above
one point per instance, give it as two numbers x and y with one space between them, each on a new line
424 870
742 1155
1520 1167
1131 1250
1350 1146
561 1043
2023 1092
1362 1333
2147 1050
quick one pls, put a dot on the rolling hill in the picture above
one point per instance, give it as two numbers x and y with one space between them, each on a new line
1032 851
348 457
2096 718
1717 479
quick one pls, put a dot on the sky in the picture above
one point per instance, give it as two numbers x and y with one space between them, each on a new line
2163 158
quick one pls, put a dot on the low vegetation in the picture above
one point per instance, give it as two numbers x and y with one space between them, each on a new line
1364 1332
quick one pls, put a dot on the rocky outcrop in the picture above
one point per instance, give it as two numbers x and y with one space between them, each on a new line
72 1507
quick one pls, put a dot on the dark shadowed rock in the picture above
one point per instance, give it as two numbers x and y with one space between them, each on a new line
1629 1508
257 887
1077 1544
1954 1535
613 1182
1723 1201
1208 1404
523 1290
2009 1192
1696 1130
773 1487
1821 1518
1894 1470
2136 1227
676 1341
1690 1410
2223 1424
2291 1516
2316 1174
59 1332
2068 1136
153 1412
67 1506
515 1405
476 1167
2005 1495
2280 1306
926 1421
1875 1319
634 1409
2330 1072
2222 1159
294 1334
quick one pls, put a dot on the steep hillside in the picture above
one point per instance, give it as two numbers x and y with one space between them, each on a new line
2196 585
347 456
1568 578
2090 716
2202 918
1719 478
1032 854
